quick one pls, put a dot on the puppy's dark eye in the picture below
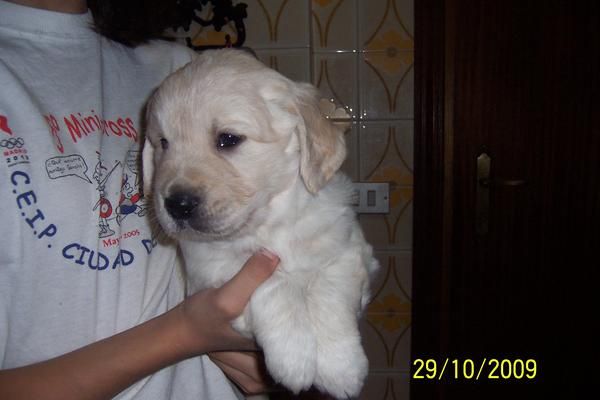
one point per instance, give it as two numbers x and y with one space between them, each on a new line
225 140
164 143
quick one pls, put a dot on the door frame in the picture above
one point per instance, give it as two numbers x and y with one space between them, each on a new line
432 221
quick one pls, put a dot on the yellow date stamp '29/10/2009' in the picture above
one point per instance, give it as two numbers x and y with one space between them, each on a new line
492 369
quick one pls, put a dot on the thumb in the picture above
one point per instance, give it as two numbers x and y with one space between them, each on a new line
238 290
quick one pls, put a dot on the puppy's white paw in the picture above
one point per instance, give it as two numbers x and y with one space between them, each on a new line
291 359
341 368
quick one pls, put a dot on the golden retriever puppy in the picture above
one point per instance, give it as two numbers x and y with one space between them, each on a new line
237 158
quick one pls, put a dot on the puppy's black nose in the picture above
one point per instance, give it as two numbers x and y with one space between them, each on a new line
181 205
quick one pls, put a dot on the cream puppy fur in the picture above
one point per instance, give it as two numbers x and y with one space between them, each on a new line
238 157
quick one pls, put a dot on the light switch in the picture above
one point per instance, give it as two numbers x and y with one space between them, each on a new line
371 198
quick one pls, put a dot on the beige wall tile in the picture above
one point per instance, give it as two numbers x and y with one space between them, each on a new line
334 25
392 231
401 354
336 77
386 155
385 327
375 345
376 19
293 63
386 84
277 23
386 386
406 12
395 275
387 149
386 66
386 350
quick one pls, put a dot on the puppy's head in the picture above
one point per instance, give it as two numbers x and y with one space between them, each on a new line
225 134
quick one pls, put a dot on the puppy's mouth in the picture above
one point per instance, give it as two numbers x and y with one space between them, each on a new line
185 216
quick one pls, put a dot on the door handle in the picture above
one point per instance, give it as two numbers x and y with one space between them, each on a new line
484 182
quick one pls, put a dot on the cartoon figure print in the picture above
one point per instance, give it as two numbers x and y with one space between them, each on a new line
103 205
131 200
127 195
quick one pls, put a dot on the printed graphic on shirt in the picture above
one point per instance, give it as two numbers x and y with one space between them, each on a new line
79 126
130 199
13 148
4 125
62 166
15 154
117 183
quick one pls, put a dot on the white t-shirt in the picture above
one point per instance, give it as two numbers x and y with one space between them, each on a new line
78 261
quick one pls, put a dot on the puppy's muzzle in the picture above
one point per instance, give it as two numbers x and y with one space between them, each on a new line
181 205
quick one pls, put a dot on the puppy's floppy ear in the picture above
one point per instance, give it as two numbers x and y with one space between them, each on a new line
322 145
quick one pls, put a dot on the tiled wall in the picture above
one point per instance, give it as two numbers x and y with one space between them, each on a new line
360 54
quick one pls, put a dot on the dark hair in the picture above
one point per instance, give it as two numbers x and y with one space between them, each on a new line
133 22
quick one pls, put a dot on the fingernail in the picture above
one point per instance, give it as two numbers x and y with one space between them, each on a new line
270 255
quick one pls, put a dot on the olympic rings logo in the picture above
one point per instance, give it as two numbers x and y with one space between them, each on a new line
12 143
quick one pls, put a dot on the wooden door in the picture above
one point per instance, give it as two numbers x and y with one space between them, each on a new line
519 81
